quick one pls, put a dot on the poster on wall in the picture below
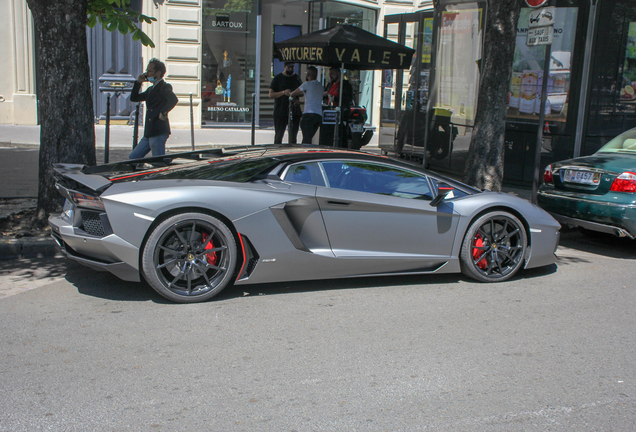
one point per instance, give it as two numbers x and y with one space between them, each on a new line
628 85
526 82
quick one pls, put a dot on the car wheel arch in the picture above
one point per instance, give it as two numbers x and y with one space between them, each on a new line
503 208
175 211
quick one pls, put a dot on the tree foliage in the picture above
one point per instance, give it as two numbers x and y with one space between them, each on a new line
118 15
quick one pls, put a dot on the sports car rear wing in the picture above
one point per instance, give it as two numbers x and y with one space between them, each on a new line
135 165
96 178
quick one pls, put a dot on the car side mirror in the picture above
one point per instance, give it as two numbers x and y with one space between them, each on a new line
442 192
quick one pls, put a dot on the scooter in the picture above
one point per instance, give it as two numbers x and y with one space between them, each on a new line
357 135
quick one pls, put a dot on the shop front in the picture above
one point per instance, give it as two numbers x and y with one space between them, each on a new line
228 62
591 88
237 54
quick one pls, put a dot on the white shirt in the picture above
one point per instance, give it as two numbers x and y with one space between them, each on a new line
313 97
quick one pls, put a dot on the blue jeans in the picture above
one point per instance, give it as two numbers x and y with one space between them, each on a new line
156 143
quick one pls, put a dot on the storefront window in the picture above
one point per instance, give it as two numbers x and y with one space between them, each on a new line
524 97
612 107
335 13
228 61
458 52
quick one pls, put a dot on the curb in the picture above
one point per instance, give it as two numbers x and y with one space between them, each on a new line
29 248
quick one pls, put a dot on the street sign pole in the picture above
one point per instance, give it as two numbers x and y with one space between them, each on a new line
544 97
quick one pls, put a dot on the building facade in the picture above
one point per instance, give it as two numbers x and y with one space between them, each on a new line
219 53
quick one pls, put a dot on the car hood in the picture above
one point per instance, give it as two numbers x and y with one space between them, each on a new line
609 162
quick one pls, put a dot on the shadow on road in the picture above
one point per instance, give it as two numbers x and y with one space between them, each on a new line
107 286
605 245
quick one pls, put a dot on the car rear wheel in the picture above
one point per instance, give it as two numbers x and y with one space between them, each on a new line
494 247
189 257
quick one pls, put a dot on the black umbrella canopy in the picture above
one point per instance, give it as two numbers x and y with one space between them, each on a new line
345 46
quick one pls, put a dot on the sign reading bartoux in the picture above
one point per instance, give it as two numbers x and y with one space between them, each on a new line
540 26
235 22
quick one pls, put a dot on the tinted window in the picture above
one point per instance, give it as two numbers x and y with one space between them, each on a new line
377 179
234 170
307 173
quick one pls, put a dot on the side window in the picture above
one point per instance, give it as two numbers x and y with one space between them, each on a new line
307 173
377 179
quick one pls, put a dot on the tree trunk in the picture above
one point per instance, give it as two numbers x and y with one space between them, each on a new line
67 129
484 168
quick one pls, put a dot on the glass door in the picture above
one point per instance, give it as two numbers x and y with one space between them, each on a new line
390 98
405 92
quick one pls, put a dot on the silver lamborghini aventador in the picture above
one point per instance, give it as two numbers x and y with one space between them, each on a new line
193 223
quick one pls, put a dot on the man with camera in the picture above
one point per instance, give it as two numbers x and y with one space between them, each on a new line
160 99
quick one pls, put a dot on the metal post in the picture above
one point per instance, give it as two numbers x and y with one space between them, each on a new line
136 127
253 118
290 119
544 97
191 123
107 133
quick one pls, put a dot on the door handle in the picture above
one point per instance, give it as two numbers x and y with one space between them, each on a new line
339 203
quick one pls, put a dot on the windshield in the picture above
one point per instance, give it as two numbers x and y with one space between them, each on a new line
624 143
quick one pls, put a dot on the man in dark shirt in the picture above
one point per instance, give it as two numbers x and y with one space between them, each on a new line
160 99
281 87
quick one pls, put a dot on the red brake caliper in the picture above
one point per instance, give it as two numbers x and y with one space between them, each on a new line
477 253
211 258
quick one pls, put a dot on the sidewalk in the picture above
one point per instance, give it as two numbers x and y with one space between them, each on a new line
122 137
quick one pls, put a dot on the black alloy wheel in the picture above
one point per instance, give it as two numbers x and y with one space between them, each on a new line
494 247
189 257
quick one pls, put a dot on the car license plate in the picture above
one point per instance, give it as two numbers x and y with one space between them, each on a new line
356 127
583 177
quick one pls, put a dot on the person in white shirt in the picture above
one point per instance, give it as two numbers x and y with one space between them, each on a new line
312 116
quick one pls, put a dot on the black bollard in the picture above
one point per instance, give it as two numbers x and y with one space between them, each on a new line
253 118
191 123
107 133
136 127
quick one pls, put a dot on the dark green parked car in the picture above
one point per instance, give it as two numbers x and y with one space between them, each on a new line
597 192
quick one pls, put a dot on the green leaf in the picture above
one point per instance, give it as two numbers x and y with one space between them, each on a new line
146 41
123 27
92 21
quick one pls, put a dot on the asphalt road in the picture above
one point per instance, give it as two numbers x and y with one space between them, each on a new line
551 350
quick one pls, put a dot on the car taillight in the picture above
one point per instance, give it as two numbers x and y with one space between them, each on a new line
87 201
547 175
625 182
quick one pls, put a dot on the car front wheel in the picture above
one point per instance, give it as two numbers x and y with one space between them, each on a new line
494 247
189 257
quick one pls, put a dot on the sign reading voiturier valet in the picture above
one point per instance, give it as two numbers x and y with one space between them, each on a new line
541 26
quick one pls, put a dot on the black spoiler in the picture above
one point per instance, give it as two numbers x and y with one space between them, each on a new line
96 179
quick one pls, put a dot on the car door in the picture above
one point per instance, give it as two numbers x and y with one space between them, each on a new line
379 210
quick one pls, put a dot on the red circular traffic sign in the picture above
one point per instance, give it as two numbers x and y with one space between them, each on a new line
535 3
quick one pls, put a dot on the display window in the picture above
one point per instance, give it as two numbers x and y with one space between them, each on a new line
524 96
228 61
458 52
334 13
628 83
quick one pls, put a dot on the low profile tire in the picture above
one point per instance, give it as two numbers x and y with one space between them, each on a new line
189 257
494 247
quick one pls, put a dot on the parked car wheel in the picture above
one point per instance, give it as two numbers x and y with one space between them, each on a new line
494 247
189 257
